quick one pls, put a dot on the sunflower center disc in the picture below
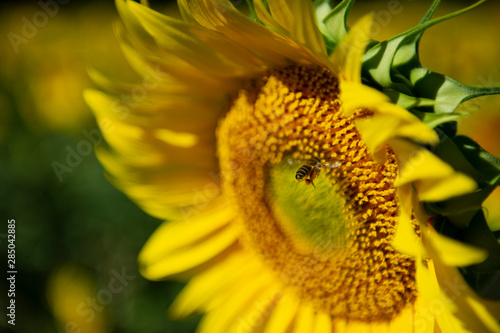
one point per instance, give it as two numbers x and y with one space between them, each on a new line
331 244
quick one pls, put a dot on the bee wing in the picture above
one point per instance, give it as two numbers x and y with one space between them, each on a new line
332 165
292 161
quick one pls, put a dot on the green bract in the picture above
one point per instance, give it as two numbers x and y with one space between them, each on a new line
315 215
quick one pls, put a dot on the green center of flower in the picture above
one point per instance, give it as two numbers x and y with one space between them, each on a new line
330 242
314 216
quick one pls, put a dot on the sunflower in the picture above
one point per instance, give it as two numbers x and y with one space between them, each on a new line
68 289
231 109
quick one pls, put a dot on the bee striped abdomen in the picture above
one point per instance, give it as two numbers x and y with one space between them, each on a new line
303 172
308 171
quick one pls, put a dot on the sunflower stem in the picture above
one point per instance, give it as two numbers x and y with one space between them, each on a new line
430 12
427 24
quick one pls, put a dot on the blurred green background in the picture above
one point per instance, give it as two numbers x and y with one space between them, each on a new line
74 232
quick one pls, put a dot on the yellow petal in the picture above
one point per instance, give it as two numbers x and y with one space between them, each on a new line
175 235
375 132
268 19
404 320
323 323
239 29
178 122
178 139
427 283
282 13
442 189
405 239
422 318
438 303
210 284
220 318
380 327
410 126
186 13
283 314
391 121
304 28
191 257
347 57
253 318
340 325
434 179
487 318
182 245
202 48
145 63
304 320
358 327
356 95
454 253
474 316
160 188
417 163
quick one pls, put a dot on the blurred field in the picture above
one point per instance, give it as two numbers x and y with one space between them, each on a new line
75 232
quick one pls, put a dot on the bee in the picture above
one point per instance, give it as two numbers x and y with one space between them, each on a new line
311 169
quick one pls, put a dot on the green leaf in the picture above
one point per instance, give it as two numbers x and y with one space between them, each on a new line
394 64
465 156
487 164
479 234
406 101
252 15
449 152
485 284
379 60
447 92
449 129
406 56
336 21
433 119
460 211
323 9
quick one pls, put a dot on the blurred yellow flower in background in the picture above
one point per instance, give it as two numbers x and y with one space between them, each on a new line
69 290
209 138
45 62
